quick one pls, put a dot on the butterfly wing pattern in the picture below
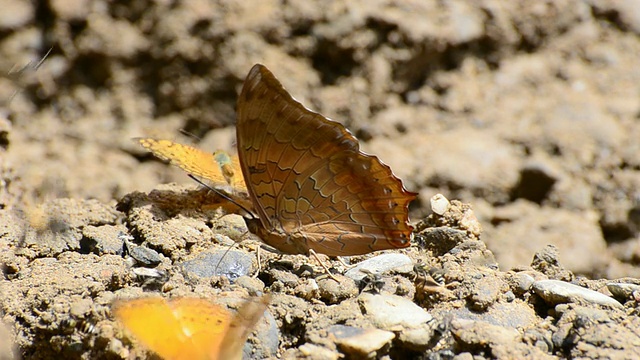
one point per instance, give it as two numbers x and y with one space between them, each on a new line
220 168
312 187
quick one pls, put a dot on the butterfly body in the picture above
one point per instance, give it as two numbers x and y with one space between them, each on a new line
312 187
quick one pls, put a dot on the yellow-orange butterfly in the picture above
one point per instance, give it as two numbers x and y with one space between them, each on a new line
220 168
189 328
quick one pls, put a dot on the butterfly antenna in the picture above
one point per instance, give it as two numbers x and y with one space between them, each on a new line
228 198
17 73
224 196
37 66
215 270
190 134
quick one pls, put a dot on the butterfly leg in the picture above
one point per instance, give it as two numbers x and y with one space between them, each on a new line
326 269
348 266
259 263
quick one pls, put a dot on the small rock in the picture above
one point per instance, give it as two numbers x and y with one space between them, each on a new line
440 204
523 282
559 292
231 264
464 356
380 264
442 239
334 292
285 277
393 313
509 296
584 317
308 289
233 226
485 293
540 338
547 261
472 332
623 291
315 352
144 256
516 314
419 339
360 343
501 342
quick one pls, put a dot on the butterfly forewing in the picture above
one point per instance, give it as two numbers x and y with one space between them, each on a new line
183 328
219 168
308 179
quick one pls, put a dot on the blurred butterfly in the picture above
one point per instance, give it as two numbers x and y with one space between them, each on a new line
220 168
189 328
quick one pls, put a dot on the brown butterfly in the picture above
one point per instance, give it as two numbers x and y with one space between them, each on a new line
312 187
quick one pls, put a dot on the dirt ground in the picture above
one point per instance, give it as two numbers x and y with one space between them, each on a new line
527 112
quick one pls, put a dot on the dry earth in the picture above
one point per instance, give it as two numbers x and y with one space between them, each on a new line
529 112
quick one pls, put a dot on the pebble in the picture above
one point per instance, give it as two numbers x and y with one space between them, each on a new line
308 289
473 332
285 277
232 226
316 352
516 314
333 292
380 264
623 291
360 343
559 292
485 293
393 313
144 256
440 204
231 264
400 315
523 282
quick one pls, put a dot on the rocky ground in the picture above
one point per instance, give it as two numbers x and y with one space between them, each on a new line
526 112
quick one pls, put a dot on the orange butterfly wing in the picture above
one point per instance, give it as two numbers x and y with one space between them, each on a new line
219 167
179 329
308 180
241 327
190 328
